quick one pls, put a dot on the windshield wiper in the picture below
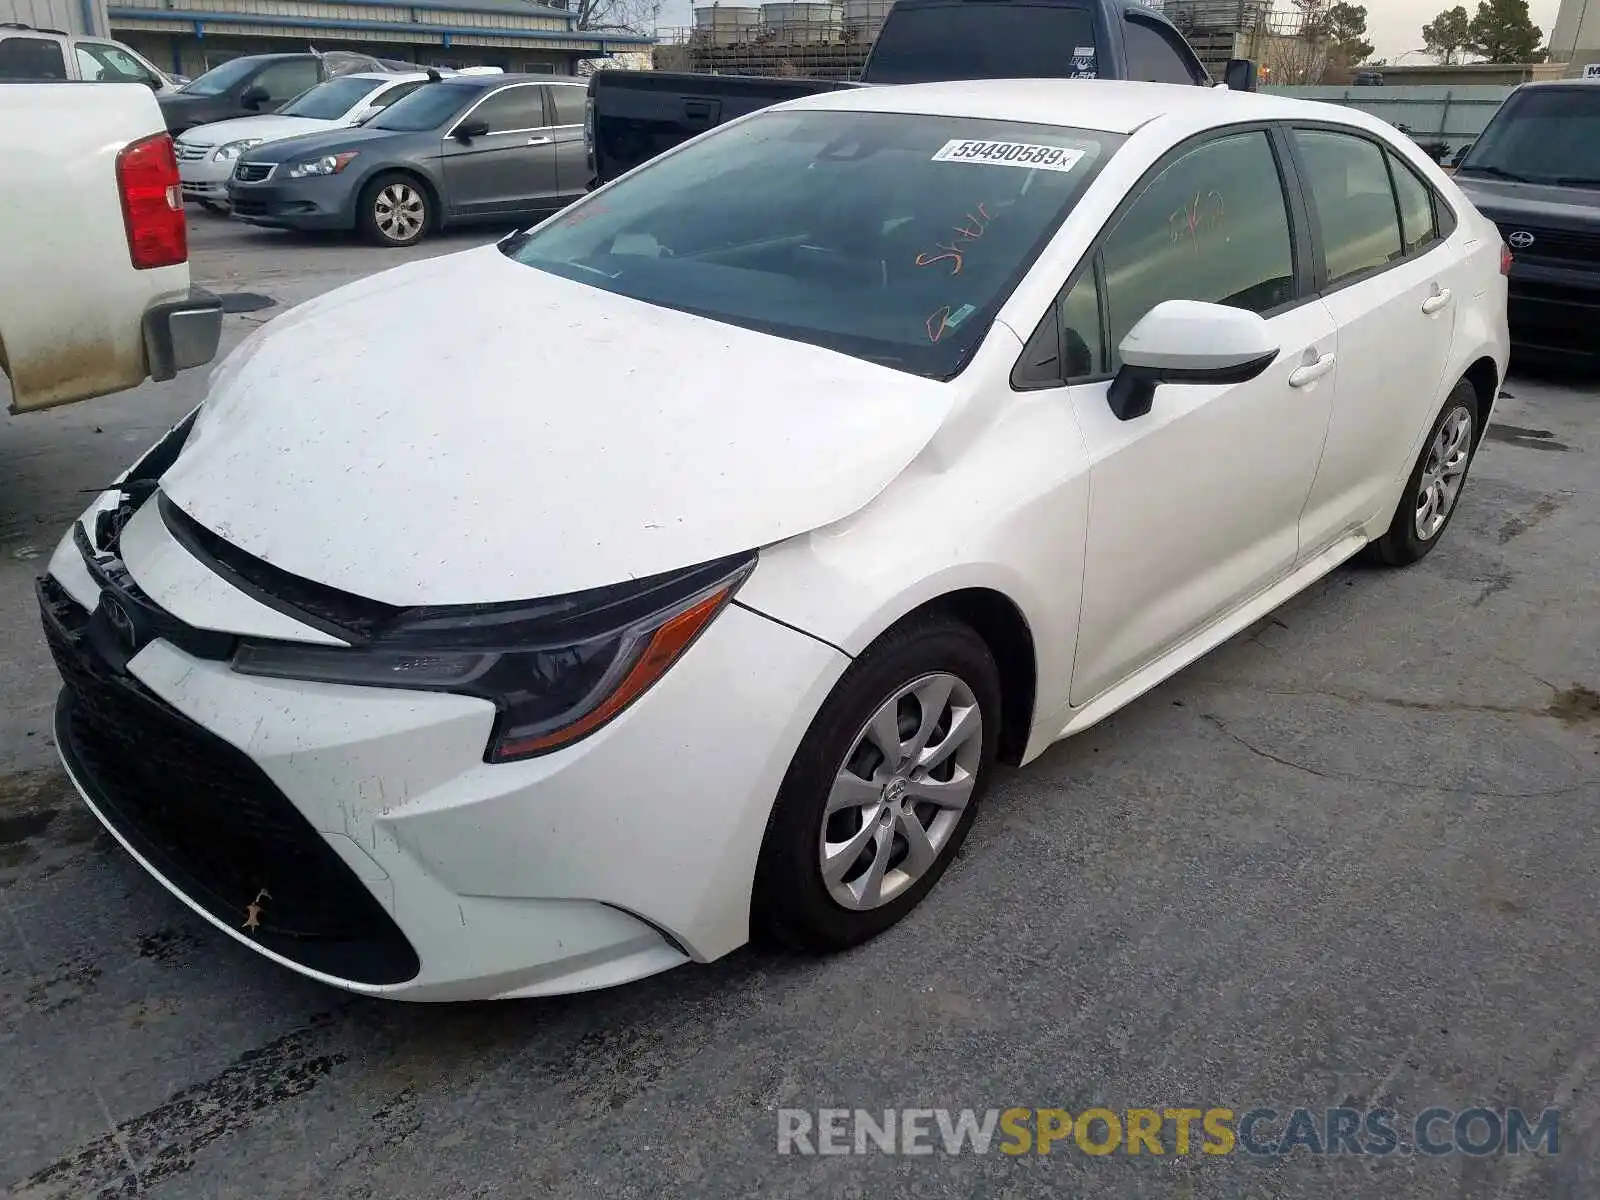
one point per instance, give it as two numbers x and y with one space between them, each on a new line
1496 172
1576 181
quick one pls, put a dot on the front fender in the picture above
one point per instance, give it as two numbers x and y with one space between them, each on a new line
1009 515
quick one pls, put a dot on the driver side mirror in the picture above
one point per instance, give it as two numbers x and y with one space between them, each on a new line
468 130
254 97
1188 341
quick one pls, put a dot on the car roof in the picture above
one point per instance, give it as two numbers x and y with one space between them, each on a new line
483 83
1557 84
1104 105
381 76
264 57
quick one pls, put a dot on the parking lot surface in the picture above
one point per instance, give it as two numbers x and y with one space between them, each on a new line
1345 860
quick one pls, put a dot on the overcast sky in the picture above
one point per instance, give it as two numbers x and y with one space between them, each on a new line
1394 26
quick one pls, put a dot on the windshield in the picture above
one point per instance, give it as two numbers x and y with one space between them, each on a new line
982 41
894 238
1542 136
328 101
220 78
430 105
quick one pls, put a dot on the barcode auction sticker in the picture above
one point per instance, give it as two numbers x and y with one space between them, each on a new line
1010 154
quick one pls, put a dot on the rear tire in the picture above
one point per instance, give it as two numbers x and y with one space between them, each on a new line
931 688
395 210
1433 490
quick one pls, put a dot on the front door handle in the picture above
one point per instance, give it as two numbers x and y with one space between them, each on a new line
538 141
1311 372
1435 302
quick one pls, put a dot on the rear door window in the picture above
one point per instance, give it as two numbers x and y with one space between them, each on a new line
514 110
23 58
1350 195
568 99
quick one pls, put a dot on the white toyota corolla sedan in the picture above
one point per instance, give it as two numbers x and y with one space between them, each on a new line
545 615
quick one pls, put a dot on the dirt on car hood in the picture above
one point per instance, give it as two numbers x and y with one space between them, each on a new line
469 429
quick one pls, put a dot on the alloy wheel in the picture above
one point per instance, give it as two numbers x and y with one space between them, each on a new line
1443 473
897 798
399 211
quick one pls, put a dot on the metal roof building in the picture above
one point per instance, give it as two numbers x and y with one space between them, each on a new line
517 35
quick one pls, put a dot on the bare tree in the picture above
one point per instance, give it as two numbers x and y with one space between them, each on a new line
623 16
1293 45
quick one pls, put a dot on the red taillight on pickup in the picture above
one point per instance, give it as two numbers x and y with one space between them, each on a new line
1505 259
152 202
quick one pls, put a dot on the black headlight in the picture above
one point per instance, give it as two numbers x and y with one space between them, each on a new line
556 669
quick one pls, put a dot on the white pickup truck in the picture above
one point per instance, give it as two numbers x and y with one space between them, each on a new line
95 293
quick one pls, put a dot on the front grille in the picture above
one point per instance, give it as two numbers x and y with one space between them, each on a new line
208 818
190 153
253 172
1557 245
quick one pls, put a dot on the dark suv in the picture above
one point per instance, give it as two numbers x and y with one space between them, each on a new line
1535 172
257 83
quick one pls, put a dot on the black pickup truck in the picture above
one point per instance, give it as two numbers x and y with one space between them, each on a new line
1535 172
632 116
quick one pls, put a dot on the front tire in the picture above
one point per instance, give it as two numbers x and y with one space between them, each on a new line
215 207
1433 491
882 790
394 210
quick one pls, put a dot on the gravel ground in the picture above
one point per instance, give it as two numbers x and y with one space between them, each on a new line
1343 860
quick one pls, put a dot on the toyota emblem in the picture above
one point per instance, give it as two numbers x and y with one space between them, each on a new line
1521 239
120 620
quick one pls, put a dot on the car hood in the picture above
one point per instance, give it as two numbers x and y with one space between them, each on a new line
267 128
1504 201
468 429
315 144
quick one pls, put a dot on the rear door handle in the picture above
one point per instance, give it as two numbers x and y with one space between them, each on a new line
1436 301
1311 372
538 141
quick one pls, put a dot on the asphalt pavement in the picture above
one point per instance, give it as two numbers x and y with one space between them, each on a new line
1346 860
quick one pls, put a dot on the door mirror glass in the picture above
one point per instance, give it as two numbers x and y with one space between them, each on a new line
1188 341
467 130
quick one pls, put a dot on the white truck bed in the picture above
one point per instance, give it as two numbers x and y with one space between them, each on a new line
77 318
